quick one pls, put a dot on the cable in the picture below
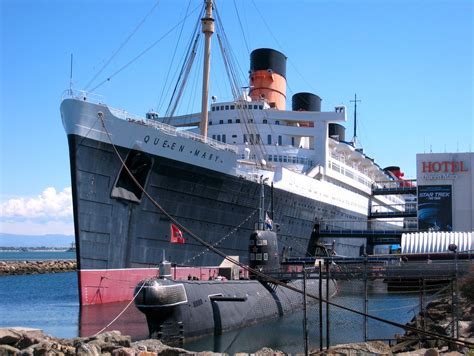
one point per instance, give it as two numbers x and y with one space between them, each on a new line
123 310
262 275
123 44
144 51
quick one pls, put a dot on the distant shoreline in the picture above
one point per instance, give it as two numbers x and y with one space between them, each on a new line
34 249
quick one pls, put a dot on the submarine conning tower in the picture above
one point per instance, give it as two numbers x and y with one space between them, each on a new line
268 77
263 251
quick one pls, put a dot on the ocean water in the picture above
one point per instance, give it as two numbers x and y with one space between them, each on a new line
36 255
50 302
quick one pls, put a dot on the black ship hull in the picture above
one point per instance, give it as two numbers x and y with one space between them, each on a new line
120 231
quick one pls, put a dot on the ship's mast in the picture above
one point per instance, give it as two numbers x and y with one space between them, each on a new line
208 30
355 101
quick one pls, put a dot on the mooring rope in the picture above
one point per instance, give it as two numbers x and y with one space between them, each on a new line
262 275
123 310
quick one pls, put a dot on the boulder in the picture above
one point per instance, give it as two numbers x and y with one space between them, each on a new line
9 337
8 350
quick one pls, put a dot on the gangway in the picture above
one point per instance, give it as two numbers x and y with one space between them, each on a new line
394 187
407 210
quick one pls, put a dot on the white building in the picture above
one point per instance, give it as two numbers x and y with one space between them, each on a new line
445 191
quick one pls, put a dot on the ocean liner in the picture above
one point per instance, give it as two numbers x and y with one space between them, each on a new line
204 169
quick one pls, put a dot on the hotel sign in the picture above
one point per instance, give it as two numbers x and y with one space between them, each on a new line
440 170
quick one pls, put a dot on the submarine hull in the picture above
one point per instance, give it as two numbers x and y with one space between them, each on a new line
192 309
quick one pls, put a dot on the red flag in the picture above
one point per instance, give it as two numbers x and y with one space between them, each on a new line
176 235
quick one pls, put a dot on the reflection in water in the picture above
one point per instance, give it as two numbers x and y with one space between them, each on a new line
50 302
92 318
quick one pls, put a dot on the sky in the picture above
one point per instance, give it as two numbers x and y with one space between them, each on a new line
409 61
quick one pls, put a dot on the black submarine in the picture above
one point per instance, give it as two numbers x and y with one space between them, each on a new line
183 310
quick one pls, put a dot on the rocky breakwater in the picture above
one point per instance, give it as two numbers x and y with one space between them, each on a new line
19 341
35 267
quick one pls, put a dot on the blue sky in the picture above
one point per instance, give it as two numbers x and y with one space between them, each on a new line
410 62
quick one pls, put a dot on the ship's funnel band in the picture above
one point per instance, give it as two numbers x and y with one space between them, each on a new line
267 90
268 59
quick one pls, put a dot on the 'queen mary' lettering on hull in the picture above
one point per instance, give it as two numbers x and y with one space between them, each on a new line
165 144
173 146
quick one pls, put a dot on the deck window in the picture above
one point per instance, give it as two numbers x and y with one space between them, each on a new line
269 139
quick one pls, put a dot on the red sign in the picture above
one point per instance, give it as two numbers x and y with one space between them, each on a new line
444 167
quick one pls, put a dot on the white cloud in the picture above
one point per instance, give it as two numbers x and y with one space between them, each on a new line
48 213
49 204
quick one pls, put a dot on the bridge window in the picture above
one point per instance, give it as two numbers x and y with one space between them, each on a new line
260 107
229 121
277 122
269 139
221 121
213 108
232 107
255 107
280 140
223 138
237 121
218 137
217 108
227 107
265 121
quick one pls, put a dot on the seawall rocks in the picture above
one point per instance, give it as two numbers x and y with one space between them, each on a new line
19 341
8 268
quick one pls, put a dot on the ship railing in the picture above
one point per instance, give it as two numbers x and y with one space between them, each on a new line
353 173
394 184
171 130
124 115
84 96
